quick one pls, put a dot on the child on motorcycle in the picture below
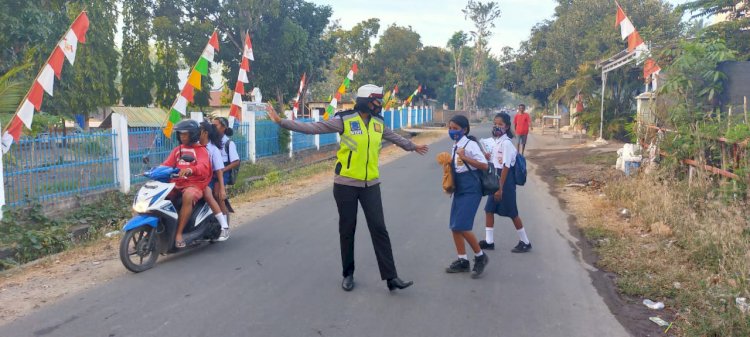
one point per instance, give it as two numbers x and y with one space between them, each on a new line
211 139
195 172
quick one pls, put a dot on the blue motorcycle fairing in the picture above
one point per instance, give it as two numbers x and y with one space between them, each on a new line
141 220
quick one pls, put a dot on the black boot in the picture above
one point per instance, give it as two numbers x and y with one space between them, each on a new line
397 283
348 283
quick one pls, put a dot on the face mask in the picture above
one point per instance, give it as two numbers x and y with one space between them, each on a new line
456 134
499 131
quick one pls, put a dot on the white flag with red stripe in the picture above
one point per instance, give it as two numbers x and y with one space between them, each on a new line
239 89
45 80
299 93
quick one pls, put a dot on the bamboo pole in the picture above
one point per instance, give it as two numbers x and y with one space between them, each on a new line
729 118
745 108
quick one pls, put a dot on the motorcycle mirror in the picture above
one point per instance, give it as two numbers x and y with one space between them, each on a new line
188 158
146 160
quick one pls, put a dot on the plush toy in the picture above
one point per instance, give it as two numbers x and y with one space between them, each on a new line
444 159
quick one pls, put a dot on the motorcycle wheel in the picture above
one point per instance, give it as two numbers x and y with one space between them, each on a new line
137 252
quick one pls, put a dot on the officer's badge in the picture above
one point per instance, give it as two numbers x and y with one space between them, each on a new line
355 128
378 127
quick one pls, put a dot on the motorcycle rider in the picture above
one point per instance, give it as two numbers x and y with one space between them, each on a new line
194 175
231 160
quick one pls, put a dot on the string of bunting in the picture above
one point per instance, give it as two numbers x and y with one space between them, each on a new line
239 89
45 80
331 109
187 94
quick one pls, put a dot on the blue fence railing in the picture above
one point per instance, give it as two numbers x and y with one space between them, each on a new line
266 138
240 138
301 141
148 148
51 166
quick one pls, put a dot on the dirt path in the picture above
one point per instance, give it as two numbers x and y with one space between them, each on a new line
576 171
43 282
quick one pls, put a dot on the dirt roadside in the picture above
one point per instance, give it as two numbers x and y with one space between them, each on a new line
576 172
43 282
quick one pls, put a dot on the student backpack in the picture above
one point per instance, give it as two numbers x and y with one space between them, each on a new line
233 173
519 170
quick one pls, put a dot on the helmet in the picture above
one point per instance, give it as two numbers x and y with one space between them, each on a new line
370 91
191 127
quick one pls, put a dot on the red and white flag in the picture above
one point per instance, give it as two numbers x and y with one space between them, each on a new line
299 93
45 80
239 88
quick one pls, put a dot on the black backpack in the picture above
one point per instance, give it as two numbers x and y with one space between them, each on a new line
233 173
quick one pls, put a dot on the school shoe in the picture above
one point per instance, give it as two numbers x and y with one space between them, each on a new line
224 236
459 266
479 263
521 247
484 245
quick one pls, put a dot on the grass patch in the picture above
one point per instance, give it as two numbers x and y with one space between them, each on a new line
604 159
685 245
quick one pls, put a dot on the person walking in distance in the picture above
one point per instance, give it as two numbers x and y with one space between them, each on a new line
522 121
503 202
357 177
468 160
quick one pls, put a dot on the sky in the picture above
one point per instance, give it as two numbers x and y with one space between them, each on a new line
437 20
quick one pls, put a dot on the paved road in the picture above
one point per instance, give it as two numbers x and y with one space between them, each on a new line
280 276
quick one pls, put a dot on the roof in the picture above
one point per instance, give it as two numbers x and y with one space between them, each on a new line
138 117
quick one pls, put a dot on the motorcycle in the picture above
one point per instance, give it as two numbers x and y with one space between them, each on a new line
152 230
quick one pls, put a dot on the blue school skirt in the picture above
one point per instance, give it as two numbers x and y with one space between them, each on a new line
466 201
507 206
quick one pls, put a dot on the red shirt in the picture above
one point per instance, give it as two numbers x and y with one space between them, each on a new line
522 122
201 167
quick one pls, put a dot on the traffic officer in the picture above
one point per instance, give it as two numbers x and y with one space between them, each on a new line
357 177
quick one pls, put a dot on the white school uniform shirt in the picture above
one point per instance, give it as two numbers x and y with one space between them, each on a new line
233 155
490 145
217 162
504 153
471 150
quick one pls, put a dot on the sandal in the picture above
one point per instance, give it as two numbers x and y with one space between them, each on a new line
180 244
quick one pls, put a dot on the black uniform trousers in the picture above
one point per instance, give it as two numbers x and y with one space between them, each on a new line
369 197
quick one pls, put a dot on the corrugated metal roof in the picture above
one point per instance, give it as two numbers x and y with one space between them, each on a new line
139 117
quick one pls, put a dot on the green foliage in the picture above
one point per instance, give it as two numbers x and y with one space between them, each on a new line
733 30
12 89
137 75
291 33
166 25
386 65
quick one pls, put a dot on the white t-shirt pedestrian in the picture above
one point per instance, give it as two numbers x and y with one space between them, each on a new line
504 153
233 155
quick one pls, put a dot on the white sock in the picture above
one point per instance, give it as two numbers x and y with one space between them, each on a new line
222 220
465 257
489 233
522 235
481 252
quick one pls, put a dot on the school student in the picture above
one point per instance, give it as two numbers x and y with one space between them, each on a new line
503 202
468 159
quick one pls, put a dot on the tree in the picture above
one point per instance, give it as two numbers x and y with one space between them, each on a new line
288 40
432 68
387 65
137 75
166 25
457 45
483 15
734 29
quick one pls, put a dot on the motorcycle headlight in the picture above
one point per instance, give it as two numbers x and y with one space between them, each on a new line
141 206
